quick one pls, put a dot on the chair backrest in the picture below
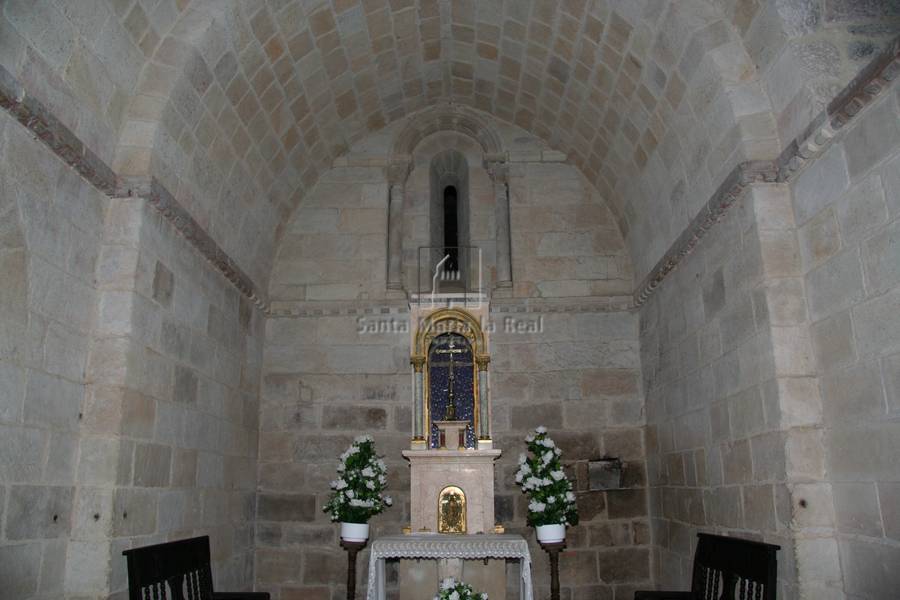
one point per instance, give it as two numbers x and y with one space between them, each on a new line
727 568
176 570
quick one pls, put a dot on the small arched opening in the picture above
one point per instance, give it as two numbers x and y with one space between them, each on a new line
449 221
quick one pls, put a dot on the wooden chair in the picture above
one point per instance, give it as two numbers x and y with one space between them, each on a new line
178 570
727 568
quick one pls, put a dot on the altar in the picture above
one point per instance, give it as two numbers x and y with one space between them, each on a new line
452 530
448 547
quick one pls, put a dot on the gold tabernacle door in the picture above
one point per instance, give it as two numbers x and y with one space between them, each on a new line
452 510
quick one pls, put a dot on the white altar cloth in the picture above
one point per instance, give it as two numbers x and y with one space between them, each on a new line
437 546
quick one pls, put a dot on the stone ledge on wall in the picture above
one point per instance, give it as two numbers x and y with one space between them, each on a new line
871 82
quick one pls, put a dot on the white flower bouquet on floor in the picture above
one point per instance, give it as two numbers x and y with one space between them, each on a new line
457 590
541 477
357 492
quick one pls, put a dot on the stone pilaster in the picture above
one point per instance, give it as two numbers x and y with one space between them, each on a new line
396 174
499 172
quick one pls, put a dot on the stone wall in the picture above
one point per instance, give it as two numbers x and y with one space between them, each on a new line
713 383
170 436
329 377
130 373
337 362
847 205
51 225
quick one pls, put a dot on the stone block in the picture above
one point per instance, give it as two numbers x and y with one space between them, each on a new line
152 465
881 257
528 417
767 452
286 507
280 566
12 392
835 285
38 512
736 323
890 179
820 184
737 467
759 507
579 568
780 253
868 568
625 443
861 210
713 293
832 341
626 504
856 509
873 138
622 565
889 502
746 409
864 453
819 239
891 369
354 418
785 301
52 402
185 390
138 414
853 394
609 382
792 351
876 325
163 284
322 567
591 505
134 512
21 568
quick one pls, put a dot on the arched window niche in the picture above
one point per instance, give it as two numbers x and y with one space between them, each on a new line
449 233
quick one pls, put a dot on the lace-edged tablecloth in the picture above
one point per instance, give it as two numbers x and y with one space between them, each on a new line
437 546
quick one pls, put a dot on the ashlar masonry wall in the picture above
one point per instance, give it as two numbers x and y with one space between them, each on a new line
337 365
847 206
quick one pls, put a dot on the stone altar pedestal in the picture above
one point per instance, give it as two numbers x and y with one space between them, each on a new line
431 472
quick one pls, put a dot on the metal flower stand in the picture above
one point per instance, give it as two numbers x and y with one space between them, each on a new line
352 549
553 549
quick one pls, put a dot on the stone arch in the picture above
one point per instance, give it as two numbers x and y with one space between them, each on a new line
447 118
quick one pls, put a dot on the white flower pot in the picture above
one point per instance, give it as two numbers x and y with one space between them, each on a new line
550 534
354 532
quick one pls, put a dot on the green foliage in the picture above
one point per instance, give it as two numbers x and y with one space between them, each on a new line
357 493
541 477
457 590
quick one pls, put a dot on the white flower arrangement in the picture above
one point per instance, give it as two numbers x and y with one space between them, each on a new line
357 493
457 590
540 475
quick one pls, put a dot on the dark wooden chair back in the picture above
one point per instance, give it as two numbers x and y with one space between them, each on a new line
727 568
178 570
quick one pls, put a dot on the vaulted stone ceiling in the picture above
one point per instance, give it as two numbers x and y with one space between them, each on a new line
237 107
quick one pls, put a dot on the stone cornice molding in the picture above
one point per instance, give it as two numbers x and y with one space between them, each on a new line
38 119
63 142
871 82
